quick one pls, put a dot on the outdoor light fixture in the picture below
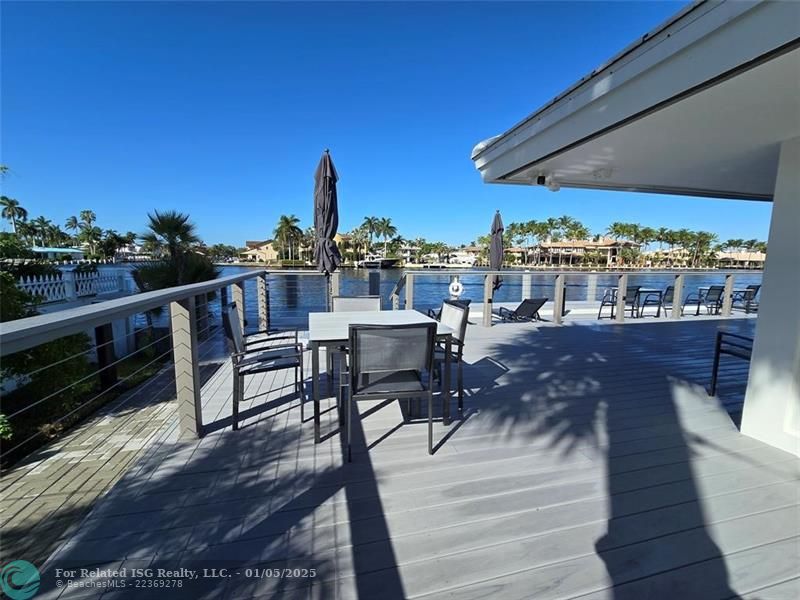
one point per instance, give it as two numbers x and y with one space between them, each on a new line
549 182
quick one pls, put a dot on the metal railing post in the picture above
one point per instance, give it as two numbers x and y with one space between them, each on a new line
527 286
238 298
558 299
622 288
104 339
677 297
223 298
409 305
488 292
727 300
187 368
263 302
334 288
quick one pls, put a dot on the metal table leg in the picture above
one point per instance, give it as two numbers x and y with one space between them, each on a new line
448 348
315 387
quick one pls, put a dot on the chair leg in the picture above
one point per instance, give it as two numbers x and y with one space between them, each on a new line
460 388
235 408
430 422
349 417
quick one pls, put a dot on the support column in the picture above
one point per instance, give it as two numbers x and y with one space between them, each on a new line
238 298
772 403
187 369
727 299
488 293
677 297
263 302
558 299
527 286
622 288
409 292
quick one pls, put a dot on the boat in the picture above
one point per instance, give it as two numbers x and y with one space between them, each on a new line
373 261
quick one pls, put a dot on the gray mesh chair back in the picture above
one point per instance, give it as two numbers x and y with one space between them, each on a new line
714 294
669 294
754 289
455 317
355 303
387 362
233 328
389 348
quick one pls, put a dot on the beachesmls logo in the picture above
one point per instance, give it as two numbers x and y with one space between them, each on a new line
19 580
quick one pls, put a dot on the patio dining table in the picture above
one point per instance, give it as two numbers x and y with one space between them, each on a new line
332 330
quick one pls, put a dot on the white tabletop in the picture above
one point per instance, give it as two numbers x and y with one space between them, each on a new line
335 326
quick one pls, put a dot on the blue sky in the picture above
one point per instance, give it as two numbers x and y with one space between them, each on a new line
222 110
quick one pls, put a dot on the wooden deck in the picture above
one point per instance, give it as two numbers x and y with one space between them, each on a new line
589 463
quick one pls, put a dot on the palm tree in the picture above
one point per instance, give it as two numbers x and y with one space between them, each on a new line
287 231
12 211
91 236
40 226
370 225
358 238
386 230
171 233
88 217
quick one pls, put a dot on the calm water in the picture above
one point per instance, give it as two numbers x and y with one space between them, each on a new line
293 296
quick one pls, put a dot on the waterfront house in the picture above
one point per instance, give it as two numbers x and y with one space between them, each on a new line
263 252
741 260
48 253
605 250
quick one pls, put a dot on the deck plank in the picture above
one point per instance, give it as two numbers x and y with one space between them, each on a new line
590 463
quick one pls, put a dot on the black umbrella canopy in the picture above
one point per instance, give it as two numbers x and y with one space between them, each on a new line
496 248
326 215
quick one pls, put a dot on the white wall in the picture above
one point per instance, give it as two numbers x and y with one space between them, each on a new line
772 403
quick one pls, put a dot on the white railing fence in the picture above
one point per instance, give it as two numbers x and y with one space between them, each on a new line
71 285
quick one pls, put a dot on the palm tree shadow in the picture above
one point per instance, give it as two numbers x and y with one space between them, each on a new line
570 395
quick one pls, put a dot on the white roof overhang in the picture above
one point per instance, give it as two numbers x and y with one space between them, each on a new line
697 107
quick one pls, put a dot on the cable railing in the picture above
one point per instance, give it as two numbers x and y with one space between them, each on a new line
569 290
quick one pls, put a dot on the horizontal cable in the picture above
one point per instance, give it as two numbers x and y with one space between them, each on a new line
86 378
108 389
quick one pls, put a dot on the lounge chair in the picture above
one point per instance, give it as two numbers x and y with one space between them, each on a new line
747 299
252 359
528 310
610 299
389 362
711 299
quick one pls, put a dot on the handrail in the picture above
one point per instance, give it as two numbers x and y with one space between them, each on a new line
22 334
547 271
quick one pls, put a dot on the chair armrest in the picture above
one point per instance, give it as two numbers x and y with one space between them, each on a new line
297 348
432 314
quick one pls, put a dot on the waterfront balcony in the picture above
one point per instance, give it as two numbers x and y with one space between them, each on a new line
590 461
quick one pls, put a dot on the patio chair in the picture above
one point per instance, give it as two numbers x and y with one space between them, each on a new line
436 314
455 317
347 304
610 299
662 301
528 310
354 303
262 337
253 360
711 299
747 299
389 362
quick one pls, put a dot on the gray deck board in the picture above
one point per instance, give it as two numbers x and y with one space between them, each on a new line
589 463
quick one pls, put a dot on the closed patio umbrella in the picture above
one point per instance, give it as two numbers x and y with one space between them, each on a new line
326 216
496 249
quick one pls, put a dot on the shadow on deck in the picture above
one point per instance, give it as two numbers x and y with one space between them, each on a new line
589 463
